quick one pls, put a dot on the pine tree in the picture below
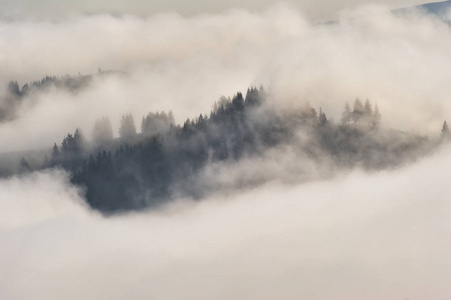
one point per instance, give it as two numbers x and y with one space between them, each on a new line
56 155
13 89
103 131
322 118
127 129
445 131
67 146
78 143
368 110
346 116
358 111
376 117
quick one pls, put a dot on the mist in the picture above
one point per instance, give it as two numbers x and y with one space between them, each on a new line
285 223
184 64
57 11
374 236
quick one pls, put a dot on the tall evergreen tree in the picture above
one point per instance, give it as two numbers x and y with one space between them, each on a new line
78 143
368 110
346 116
376 117
67 146
128 128
445 131
322 118
13 89
103 131
358 111
56 155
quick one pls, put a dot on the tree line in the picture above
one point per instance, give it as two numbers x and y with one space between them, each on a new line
163 161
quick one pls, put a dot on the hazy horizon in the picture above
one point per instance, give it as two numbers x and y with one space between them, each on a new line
59 10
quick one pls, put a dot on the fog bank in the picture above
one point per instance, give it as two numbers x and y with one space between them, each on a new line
187 63
380 236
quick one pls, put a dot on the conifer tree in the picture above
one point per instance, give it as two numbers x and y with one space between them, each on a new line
103 130
445 131
358 111
376 117
368 110
346 116
322 118
78 143
56 155
127 129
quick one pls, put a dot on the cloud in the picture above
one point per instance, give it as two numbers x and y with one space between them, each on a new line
376 236
31 199
57 10
187 63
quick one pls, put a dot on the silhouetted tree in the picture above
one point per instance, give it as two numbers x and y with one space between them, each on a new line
254 96
25 89
67 146
322 117
78 143
56 155
13 89
157 123
148 169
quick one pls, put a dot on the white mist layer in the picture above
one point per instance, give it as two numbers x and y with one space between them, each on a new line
187 63
379 236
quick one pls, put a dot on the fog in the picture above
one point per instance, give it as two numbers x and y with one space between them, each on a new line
58 10
305 230
380 236
187 63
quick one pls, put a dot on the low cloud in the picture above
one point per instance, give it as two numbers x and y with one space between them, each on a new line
375 236
187 63
380 235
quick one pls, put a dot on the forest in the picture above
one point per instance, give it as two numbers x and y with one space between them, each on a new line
15 94
165 160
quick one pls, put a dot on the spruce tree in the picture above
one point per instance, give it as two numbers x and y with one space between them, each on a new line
127 129
346 116
445 131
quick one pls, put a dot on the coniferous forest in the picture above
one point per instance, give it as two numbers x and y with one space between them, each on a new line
147 168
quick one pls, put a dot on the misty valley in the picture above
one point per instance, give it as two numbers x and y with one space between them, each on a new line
167 161
226 150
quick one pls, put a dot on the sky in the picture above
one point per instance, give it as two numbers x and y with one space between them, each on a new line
58 9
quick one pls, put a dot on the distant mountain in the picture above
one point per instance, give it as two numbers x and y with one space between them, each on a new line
437 8
440 9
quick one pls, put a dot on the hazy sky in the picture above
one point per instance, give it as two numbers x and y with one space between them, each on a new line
184 64
57 9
